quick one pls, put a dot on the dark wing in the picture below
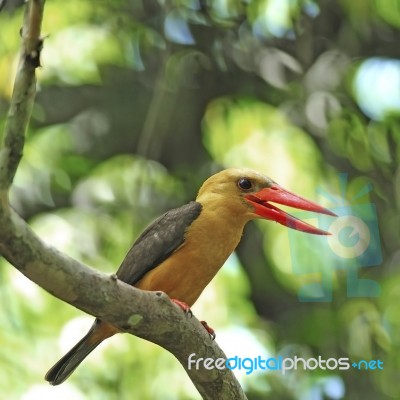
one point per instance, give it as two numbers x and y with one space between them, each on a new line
157 242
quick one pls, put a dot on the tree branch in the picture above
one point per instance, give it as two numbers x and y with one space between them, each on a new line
149 315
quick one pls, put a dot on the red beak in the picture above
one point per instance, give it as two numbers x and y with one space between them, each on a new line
276 194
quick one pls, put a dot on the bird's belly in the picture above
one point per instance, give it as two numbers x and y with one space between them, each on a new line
184 275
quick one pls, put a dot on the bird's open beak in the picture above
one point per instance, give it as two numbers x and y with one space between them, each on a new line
276 194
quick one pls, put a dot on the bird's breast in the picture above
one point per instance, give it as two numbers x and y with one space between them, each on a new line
185 274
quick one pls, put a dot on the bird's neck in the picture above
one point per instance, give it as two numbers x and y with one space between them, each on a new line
218 230
228 212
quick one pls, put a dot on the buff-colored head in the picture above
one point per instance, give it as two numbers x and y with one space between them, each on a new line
249 194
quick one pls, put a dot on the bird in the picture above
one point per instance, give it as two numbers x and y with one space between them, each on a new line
181 251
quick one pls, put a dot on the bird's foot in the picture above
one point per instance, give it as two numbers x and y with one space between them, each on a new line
209 330
186 309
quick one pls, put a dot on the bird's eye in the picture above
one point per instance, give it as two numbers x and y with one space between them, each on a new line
244 183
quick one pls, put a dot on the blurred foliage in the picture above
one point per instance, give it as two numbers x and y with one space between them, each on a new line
140 101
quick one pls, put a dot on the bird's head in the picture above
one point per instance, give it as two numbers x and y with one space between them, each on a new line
250 194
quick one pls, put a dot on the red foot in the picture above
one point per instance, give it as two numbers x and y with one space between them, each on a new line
186 309
210 330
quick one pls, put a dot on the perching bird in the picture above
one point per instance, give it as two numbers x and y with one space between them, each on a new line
181 251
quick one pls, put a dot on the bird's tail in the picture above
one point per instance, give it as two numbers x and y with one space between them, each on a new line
68 363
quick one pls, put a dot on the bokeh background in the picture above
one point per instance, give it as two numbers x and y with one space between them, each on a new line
138 102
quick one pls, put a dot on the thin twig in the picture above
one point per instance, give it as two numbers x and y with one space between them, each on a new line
23 95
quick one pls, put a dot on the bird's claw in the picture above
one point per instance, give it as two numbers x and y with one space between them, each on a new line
186 309
209 330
